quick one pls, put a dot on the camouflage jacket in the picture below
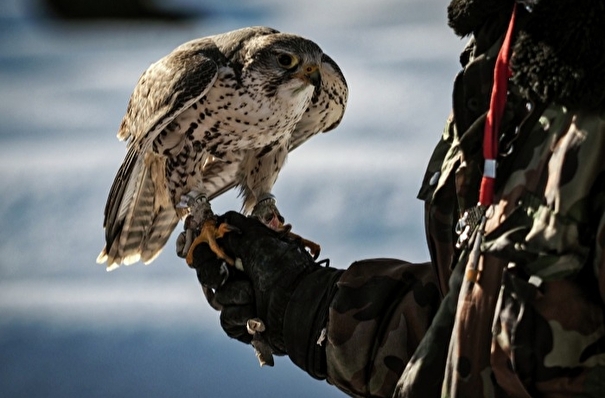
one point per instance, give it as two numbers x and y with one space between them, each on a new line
529 320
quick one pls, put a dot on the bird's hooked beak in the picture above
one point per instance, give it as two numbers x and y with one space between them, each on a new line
310 73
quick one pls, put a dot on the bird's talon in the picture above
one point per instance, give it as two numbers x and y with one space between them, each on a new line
190 223
183 243
266 211
209 233
314 248
225 228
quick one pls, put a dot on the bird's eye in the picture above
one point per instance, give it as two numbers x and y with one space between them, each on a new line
286 60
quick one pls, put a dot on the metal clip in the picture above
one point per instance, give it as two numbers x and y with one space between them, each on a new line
462 230
467 223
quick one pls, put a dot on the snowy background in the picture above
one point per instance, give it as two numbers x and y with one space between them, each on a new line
70 329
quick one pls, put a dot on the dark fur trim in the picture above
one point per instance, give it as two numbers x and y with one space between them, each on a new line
464 16
559 52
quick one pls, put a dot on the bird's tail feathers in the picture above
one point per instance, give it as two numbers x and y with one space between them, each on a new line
139 216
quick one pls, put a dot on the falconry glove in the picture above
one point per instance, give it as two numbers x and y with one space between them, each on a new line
277 282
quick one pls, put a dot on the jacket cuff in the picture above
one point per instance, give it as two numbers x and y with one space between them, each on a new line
305 320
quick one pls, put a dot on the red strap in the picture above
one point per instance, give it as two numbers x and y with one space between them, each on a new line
492 123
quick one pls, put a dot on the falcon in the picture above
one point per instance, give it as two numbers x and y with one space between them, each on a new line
216 113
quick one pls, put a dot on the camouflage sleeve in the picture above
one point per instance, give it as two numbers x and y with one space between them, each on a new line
377 318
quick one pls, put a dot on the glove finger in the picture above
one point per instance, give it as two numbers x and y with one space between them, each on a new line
238 292
211 271
236 219
249 228
253 239
234 319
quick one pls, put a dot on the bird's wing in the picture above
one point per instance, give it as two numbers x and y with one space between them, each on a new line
165 89
324 114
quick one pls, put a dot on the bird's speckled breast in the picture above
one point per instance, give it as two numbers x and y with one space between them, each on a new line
229 119
232 118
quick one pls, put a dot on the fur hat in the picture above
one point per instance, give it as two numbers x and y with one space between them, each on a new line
559 49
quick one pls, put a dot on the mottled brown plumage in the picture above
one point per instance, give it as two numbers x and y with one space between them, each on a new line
217 112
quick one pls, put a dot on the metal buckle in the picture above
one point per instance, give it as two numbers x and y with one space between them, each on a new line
467 224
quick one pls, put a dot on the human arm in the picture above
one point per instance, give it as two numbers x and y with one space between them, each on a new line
374 313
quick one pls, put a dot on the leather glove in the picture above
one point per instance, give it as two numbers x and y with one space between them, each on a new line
227 290
278 282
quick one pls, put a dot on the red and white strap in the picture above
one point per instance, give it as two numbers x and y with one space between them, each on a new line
491 133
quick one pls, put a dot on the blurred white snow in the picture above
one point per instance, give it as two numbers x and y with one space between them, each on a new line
64 90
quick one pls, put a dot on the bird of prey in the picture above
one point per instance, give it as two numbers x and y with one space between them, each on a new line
216 113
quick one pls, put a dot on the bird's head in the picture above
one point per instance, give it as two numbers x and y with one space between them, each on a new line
286 63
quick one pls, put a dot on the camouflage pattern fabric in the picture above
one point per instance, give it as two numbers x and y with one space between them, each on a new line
531 321
532 324
379 315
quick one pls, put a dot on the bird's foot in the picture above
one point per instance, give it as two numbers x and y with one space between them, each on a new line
202 219
209 233
314 248
266 211
198 206
199 210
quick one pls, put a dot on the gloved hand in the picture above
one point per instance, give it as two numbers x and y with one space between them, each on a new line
227 290
278 283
